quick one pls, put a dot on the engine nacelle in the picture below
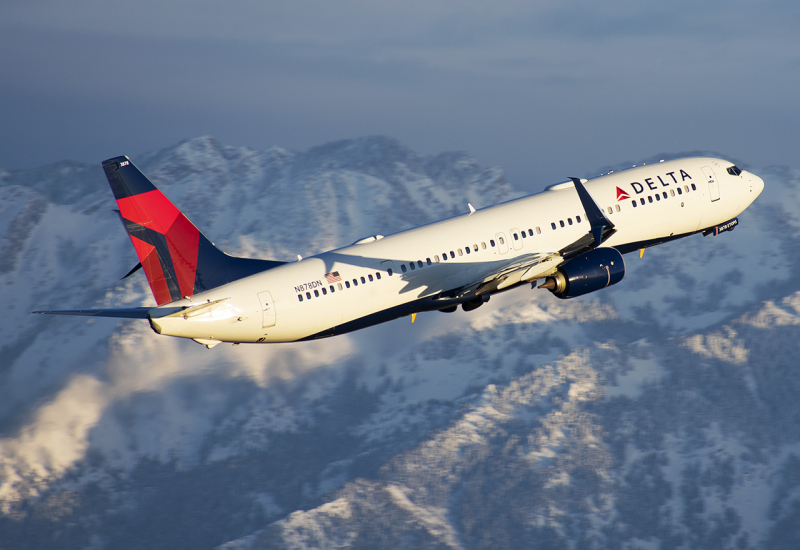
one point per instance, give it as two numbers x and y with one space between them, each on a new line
596 269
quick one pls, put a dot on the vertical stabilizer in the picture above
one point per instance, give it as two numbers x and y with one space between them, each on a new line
178 260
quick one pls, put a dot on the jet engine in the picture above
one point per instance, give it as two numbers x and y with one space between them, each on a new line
593 270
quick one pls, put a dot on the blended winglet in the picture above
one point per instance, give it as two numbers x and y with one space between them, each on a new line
597 220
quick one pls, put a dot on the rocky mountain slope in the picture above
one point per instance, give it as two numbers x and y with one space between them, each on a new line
660 413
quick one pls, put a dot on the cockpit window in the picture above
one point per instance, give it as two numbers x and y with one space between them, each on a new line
734 171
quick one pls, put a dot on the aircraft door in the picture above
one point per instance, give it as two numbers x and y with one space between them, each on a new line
515 238
267 309
713 186
502 244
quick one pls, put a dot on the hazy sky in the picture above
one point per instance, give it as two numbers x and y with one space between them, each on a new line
543 89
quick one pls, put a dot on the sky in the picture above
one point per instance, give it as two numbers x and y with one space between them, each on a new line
543 89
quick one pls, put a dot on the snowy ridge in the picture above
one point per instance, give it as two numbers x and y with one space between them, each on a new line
661 412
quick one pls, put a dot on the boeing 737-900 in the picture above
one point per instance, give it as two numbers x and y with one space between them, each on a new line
572 235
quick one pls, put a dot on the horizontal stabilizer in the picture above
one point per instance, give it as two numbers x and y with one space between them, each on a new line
122 313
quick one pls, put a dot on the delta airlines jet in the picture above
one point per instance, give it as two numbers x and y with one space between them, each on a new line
572 235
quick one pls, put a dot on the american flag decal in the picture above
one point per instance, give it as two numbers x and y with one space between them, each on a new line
333 277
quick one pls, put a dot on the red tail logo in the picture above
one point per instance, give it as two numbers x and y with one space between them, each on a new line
155 222
622 195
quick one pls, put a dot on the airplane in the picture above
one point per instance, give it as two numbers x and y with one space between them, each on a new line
572 236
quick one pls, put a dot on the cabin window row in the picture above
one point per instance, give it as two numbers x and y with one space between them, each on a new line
469 249
664 194
608 209
419 264
341 286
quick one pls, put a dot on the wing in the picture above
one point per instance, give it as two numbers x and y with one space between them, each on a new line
529 267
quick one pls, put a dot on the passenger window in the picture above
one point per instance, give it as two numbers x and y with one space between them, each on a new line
578 219
368 277
615 206
460 253
523 234
686 188
553 225
389 272
308 295
475 247
339 285
378 275
501 240
412 266
680 192
300 297
672 192
316 293
642 199
436 258
694 188
355 282
347 284
530 231
403 267
467 250
649 198
452 254
491 241
633 202
444 256
333 289
516 237
610 211
324 291
428 261
569 221
483 245
419 263
658 197
538 231
561 222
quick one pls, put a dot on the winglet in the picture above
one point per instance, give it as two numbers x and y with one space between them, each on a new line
597 220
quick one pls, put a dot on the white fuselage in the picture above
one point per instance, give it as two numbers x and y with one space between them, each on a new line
295 301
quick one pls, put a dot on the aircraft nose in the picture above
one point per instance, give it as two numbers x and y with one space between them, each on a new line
757 185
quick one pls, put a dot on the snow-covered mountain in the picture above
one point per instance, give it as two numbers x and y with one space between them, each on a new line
660 413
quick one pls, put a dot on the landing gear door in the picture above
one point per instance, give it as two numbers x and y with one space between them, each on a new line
713 186
267 309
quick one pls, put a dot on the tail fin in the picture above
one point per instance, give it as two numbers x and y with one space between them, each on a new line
177 258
